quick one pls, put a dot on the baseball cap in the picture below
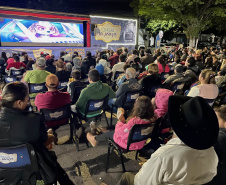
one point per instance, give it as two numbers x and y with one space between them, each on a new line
48 57
41 62
179 68
52 80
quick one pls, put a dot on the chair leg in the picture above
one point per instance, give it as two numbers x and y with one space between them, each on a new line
106 119
111 115
121 156
136 155
109 151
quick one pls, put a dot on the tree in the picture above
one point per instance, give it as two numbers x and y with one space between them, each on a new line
193 15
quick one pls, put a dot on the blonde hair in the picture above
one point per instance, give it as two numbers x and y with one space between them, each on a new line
153 69
223 63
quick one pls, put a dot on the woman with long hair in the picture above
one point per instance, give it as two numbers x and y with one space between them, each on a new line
142 113
163 67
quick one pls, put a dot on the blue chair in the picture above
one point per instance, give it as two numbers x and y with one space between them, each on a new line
117 74
153 90
36 88
54 118
164 76
21 160
9 79
93 106
62 84
139 132
127 102
177 86
17 72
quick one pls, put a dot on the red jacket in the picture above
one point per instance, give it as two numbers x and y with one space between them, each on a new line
113 59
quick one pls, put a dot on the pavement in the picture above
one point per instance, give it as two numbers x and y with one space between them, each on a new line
87 166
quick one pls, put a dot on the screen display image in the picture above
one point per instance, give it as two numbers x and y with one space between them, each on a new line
19 32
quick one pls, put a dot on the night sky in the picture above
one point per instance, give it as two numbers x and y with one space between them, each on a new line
118 8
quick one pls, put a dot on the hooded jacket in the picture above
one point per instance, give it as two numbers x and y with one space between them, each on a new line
94 91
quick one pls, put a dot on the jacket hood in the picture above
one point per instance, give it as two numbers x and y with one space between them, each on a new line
96 87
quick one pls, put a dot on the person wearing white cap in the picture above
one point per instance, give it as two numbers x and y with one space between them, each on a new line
38 75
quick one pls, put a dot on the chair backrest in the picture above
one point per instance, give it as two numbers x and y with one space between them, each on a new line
62 84
36 88
139 132
96 105
210 101
21 156
8 79
177 86
164 76
153 90
130 97
16 72
76 93
56 114
117 73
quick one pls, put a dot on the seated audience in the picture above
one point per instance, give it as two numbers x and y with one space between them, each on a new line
77 61
95 90
61 73
105 64
216 64
26 127
49 66
152 79
207 87
192 70
142 113
16 64
178 73
132 57
130 85
115 58
173 163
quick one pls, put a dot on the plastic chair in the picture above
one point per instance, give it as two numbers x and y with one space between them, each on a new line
139 132
127 102
94 106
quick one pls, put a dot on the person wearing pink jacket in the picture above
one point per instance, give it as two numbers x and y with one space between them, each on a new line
142 113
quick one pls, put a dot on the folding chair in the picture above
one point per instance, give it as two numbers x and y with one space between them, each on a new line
177 86
63 86
98 105
21 159
76 93
139 132
164 76
36 88
128 101
54 118
9 79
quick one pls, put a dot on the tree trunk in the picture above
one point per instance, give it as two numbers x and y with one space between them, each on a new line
196 44
192 42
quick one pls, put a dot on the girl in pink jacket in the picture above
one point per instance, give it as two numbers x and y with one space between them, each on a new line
142 113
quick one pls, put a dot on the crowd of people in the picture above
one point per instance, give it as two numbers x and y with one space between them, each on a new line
189 148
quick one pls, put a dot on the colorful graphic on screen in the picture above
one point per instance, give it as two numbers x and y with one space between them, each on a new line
31 31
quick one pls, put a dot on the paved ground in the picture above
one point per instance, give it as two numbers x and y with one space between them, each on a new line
88 165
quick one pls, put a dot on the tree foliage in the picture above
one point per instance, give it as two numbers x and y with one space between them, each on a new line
193 15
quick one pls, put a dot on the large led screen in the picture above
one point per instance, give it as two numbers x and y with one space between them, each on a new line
19 32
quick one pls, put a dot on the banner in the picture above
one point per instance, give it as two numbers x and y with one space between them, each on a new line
106 31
